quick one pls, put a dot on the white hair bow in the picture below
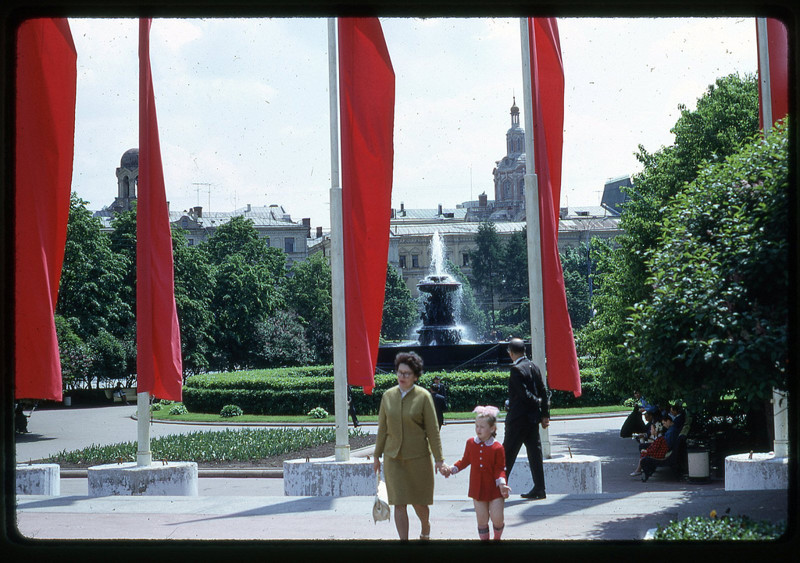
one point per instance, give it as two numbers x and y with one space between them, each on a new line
487 410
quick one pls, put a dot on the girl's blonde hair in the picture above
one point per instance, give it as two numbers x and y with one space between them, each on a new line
489 413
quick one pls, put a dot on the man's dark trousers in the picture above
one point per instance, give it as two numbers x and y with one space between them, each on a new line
518 435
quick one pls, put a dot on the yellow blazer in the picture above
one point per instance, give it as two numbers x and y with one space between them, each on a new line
407 426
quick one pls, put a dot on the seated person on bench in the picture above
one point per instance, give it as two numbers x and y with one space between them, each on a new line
659 448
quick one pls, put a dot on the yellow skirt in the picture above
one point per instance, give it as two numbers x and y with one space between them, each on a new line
409 481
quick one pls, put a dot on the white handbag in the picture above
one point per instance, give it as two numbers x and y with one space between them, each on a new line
380 508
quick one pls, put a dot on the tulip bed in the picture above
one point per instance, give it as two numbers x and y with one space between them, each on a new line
246 444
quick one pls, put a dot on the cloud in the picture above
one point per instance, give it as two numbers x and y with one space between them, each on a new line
243 104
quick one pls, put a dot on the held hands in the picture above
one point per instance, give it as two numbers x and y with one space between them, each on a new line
445 470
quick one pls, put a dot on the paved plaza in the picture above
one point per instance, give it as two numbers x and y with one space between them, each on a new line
235 507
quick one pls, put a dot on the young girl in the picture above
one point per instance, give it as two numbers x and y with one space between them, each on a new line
487 480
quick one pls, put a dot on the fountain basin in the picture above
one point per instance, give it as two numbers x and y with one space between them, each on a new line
449 356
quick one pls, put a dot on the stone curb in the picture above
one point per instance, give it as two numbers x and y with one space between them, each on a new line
229 473
331 424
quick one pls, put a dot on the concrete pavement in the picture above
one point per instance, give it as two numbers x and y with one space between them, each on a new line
255 509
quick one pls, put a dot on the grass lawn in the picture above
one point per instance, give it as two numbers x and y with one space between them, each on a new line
163 414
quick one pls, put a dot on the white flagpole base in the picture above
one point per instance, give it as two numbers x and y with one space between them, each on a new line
144 456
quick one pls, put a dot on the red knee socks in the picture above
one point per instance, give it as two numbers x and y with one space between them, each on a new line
498 531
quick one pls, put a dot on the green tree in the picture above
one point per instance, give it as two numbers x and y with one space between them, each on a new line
514 267
400 313
194 292
123 243
309 296
239 236
110 358
514 318
92 278
470 315
75 355
244 296
575 265
486 261
249 285
726 115
283 342
716 324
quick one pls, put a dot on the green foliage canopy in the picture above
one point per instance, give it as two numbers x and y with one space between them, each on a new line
716 323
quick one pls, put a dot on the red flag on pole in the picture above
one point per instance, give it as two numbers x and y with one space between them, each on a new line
366 81
776 73
45 133
158 337
547 88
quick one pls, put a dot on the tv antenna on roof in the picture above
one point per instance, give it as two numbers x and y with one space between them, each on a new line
208 188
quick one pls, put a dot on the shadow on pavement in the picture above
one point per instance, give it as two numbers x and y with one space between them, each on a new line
31 437
303 505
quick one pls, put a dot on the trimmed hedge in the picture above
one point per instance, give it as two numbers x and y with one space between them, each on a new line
297 390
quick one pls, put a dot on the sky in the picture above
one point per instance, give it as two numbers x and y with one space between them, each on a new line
243 104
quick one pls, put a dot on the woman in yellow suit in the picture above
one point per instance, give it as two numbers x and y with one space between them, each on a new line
408 432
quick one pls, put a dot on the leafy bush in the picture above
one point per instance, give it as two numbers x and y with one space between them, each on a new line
725 528
318 412
178 409
244 444
298 390
229 411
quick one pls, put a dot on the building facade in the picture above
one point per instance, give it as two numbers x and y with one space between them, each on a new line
272 222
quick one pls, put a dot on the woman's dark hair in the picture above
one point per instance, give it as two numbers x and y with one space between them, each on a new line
411 359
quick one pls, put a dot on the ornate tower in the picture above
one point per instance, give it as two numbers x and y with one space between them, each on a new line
509 175
127 180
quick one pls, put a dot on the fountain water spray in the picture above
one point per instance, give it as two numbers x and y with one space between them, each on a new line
439 326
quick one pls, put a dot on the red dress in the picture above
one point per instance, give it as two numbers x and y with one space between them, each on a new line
488 460
656 450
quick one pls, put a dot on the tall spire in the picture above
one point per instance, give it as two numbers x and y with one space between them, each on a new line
514 113
515 137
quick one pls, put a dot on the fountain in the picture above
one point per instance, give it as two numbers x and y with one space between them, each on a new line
441 342
440 302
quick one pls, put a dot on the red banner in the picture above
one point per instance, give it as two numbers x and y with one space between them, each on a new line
778 56
45 133
547 87
366 98
158 337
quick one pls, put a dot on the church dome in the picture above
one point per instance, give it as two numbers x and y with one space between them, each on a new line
130 159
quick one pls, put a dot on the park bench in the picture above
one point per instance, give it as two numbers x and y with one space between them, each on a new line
130 393
676 458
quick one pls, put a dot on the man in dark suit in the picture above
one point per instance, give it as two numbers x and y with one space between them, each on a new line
528 406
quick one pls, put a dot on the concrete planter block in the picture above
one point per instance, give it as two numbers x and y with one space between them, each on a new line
326 478
175 478
39 479
763 471
579 474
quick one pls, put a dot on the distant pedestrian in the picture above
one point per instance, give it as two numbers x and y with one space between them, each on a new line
487 477
351 408
439 393
528 406
20 419
634 424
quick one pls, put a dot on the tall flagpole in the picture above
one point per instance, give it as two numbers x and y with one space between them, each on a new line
763 64
534 234
780 398
342 449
